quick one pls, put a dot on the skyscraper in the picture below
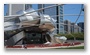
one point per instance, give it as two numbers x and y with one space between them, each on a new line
81 24
70 27
13 9
67 26
58 10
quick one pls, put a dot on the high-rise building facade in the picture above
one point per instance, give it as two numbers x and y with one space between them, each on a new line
67 26
77 29
71 27
14 9
81 24
58 10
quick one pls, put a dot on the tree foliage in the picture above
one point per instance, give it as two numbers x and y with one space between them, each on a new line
78 36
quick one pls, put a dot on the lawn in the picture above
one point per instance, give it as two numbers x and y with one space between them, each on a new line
80 47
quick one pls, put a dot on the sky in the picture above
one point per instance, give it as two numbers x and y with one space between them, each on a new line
73 9
68 9
5 9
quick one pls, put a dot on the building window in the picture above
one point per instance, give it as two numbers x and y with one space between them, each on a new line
61 6
61 26
27 6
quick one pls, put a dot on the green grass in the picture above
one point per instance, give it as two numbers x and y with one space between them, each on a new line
80 47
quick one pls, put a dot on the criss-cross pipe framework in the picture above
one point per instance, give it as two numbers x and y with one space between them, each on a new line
31 12
50 16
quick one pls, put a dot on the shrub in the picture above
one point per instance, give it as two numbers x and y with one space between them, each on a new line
78 36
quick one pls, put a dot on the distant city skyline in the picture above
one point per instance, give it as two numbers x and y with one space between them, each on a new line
73 9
